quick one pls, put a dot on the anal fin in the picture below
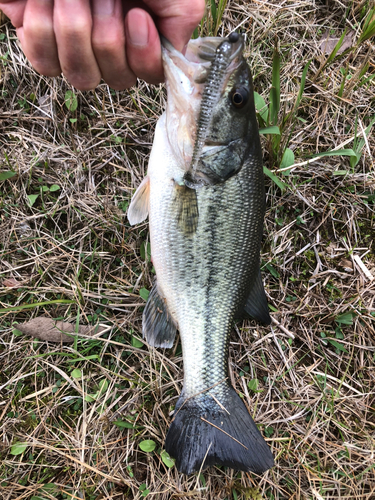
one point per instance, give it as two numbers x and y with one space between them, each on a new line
159 329
138 209
187 210
256 305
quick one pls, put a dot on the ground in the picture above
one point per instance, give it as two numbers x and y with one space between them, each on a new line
88 419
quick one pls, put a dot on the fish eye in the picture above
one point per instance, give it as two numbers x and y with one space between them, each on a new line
240 96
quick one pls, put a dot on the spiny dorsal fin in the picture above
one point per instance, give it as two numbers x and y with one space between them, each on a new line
138 209
187 209
159 329
256 305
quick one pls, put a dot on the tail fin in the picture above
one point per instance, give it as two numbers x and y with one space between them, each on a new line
205 433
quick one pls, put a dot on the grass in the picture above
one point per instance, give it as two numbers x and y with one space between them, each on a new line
88 419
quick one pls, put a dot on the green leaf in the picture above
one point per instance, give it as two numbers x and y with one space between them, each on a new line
287 160
261 107
273 271
32 199
49 487
253 385
336 344
71 101
123 424
135 342
167 459
337 152
144 293
54 187
268 431
147 445
275 179
7 175
103 386
270 130
345 319
18 448
90 398
340 172
76 373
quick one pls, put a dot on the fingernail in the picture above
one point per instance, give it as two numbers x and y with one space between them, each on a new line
103 7
137 27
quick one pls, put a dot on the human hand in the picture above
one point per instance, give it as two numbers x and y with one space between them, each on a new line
116 40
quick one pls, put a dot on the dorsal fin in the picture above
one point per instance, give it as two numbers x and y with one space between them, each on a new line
138 209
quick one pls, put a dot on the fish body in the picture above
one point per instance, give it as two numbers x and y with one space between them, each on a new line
206 213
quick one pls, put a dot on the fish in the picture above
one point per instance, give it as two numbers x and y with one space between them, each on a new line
204 196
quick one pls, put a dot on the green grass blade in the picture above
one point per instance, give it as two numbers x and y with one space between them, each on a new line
337 152
275 179
302 86
274 130
332 55
214 12
368 30
275 89
336 49
36 304
358 144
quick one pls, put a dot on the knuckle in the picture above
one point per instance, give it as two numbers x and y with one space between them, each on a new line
76 28
110 44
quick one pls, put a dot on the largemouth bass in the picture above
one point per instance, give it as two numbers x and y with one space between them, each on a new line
205 199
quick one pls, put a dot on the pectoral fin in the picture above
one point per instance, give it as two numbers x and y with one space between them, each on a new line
187 209
256 305
138 209
159 329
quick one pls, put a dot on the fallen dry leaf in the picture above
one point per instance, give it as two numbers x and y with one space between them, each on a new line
328 43
55 331
11 283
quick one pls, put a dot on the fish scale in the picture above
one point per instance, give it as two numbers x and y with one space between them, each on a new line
207 271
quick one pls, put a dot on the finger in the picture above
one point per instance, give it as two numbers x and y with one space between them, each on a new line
14 9
177 19
143 46
73 24
38 39
108 42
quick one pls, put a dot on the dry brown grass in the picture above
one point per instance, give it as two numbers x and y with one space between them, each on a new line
315 402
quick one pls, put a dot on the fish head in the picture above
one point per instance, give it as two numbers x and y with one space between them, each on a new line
233 113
